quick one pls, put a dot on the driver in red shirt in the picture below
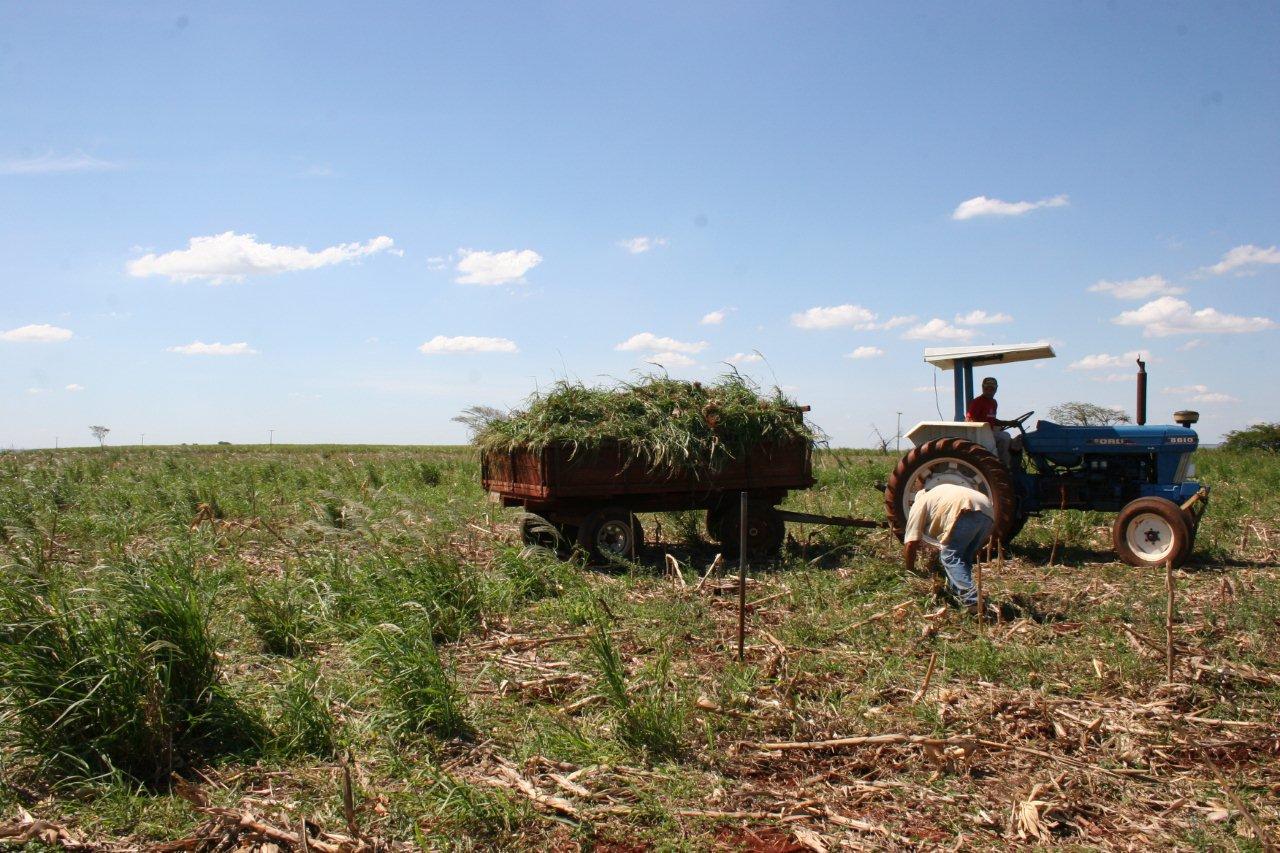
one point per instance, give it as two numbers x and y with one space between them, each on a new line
983 410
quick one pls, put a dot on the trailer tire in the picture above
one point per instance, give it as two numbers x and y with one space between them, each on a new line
951 460
1149 531
766 530
611 534
540 532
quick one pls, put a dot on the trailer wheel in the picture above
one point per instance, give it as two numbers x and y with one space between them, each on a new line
957 461
611 534
765 530
1149 531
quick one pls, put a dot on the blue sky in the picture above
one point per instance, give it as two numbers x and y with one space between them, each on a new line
348 222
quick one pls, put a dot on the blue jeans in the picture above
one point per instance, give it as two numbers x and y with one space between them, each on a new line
967 534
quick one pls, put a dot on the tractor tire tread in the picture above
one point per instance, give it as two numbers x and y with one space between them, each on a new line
998 478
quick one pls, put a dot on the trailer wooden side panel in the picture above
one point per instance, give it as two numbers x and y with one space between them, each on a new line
557 473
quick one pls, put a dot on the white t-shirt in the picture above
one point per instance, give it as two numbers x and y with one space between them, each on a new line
934 512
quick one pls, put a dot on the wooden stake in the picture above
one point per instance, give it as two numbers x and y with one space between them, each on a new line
982 610
928 676
1168 620
1057 524
742 578
1000 572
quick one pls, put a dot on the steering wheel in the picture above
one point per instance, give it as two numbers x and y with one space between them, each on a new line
1021 420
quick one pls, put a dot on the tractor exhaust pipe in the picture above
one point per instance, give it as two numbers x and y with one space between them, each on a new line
1141 417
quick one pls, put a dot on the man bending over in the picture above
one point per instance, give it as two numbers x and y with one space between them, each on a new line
956 520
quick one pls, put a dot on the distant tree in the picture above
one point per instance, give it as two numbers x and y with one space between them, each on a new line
1256 437
476 418
100 433
1077 413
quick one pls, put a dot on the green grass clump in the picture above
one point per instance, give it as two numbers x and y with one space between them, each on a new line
420 693
662 423
129 685
434 582
649 718
304 725
279 617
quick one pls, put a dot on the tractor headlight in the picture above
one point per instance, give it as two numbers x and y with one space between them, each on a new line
1191 470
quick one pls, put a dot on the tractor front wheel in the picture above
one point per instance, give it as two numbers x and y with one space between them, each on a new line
955 461
1152 531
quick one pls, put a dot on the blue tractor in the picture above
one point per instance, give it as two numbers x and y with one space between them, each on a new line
1140 472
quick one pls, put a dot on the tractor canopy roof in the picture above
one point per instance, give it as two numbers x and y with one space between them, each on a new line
946 358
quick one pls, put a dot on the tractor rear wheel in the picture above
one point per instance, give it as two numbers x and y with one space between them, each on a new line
1151 531
955 461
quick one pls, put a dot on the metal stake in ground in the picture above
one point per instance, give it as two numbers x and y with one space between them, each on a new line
742 577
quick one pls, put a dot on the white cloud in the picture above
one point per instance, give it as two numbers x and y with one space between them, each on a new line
466 343
866 352
744 358
714 318
37 333
1190 345
201 348
1102 360
437 262
1201 394
978 317
1137 288
1243 257
834 317
1168 316
937 329
230 257
640 245
983 206
670 359
490 268
896 321
51 163
651 342
75 387
34 391
847 316
1114 377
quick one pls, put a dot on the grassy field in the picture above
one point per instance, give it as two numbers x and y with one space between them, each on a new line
221 646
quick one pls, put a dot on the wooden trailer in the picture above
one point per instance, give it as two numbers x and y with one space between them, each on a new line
590 497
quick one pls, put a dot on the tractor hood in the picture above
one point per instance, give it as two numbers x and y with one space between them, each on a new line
1049 437
1169 448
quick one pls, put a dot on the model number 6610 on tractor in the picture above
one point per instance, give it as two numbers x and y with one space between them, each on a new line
1141 472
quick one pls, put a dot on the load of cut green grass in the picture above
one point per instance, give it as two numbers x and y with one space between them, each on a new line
663 423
